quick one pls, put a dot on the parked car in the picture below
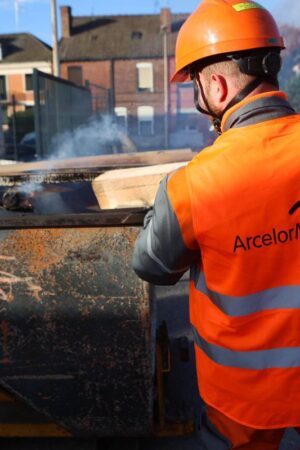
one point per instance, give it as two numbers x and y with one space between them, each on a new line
25 149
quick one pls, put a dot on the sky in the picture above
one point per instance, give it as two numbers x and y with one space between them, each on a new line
34 16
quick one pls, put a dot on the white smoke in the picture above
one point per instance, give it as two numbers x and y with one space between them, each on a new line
45 199
96 137
93 138
30 187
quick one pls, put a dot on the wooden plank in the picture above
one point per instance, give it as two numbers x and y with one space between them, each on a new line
115 160
131 188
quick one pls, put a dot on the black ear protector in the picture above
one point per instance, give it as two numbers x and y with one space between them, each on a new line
265 65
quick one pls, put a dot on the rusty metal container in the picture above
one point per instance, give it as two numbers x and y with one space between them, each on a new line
76 324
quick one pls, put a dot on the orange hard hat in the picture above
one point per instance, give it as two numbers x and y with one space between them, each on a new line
219 27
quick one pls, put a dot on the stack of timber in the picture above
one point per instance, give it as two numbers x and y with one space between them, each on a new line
118 180
131 188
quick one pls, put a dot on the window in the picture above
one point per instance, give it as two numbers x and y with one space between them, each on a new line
146 120
121 116
145 76
3 93
136 35
28 82
75 75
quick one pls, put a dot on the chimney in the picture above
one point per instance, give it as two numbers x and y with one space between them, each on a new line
165 19
66 21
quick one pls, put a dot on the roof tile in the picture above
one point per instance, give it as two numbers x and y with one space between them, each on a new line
23 47
111 37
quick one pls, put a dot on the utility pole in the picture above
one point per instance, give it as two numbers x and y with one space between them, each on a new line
165 26
2 145
166 86
14 127
55 55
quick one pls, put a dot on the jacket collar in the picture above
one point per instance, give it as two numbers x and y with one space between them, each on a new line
257 108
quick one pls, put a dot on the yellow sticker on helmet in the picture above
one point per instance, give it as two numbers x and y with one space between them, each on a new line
246 5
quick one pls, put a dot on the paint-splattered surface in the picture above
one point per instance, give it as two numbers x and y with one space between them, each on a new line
75 328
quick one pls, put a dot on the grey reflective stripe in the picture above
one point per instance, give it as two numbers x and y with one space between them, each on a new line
160 255
156 259
260 359
284 297
260 110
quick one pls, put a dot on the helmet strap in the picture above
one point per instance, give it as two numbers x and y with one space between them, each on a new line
208 111
243 94
217 119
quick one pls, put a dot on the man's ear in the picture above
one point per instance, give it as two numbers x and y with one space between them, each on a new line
220 87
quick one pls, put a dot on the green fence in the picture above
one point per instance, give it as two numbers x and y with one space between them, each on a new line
60 106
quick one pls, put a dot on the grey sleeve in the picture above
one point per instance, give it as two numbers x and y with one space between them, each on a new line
160 255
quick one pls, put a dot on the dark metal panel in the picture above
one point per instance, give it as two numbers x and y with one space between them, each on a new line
60 106
75 327
13 220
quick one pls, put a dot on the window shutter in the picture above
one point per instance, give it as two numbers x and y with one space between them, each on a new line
145 76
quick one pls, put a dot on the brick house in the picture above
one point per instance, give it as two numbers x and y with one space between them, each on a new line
20 53
132 57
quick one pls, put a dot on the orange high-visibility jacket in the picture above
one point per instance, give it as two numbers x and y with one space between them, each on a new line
238 203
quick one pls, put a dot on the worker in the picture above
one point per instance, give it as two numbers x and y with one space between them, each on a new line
232 216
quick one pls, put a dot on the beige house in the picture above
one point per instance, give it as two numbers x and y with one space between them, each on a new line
20 54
